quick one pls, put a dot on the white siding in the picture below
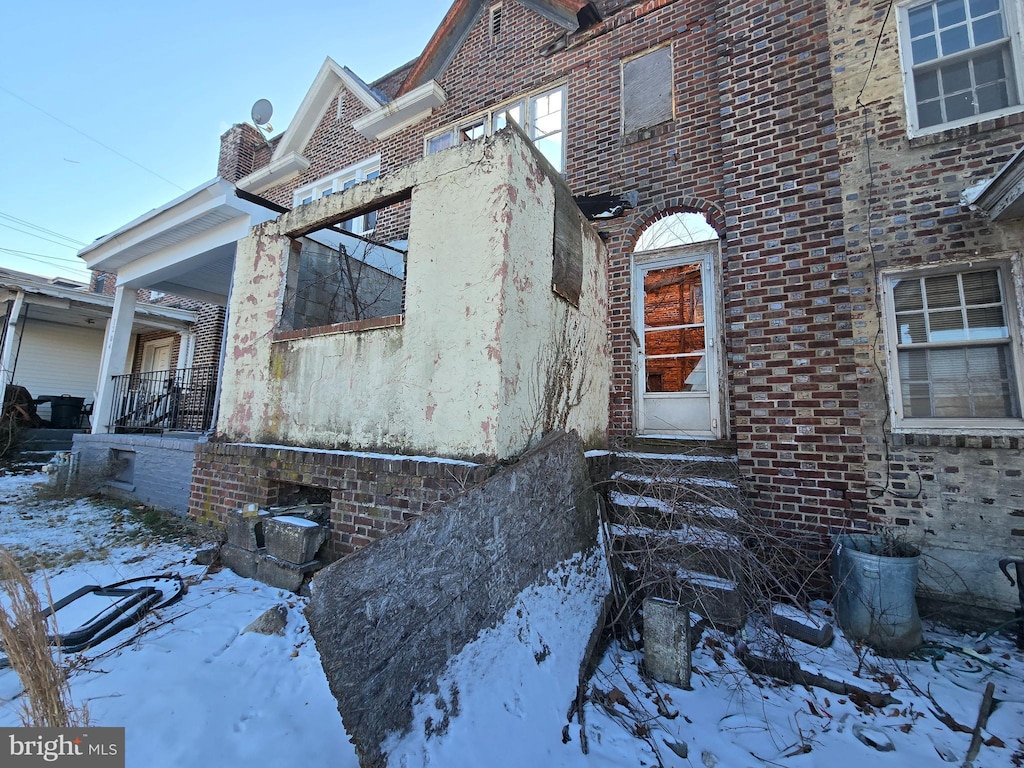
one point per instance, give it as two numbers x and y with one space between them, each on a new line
59 360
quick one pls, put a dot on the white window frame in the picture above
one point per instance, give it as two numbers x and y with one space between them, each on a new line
493 120
1009 268
494 21
1012 17
338 181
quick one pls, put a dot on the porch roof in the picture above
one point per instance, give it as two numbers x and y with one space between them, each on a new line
185 247
67 305
1002 196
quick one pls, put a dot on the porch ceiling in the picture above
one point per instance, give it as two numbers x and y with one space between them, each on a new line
93 316
185 247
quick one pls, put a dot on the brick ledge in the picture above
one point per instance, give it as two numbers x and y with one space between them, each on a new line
352 326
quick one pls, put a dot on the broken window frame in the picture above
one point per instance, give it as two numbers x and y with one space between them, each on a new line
529 111
900 345
365 170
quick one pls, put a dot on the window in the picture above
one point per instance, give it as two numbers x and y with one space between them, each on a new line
495 21
961 61
349 177
542 117
953 346
647 90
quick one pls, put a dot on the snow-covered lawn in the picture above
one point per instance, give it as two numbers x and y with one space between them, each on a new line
191 689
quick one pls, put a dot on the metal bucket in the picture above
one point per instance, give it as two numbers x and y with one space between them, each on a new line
874 598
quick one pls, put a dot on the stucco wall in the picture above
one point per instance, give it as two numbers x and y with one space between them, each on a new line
467 370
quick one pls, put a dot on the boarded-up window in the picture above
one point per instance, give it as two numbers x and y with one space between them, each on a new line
647 90
567 269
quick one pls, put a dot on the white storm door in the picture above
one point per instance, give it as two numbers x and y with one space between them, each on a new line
677 366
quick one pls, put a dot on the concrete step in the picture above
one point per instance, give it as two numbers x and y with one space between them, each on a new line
670 446
657 513
691 548
689 464
678 489
716 598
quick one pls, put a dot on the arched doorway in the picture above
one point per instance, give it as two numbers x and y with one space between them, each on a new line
677 344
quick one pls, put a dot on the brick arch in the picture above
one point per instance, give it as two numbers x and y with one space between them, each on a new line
645 217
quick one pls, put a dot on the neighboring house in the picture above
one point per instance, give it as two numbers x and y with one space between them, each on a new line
53 333
935 280
744 208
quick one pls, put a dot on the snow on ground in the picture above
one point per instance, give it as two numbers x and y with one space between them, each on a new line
191 689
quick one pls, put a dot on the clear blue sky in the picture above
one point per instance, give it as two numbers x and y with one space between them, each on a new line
83 86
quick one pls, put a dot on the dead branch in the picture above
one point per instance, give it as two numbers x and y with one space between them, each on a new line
983 713
791 672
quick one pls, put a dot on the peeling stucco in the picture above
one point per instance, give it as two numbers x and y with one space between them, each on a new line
467 372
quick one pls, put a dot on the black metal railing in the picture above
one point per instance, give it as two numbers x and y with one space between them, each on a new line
157 401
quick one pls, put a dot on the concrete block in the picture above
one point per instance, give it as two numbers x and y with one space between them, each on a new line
282 574
716 599
667 641
241 561
318 513
246 532
293 539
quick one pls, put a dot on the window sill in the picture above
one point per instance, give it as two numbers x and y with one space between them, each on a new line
995 439
352 326
644 134
927 137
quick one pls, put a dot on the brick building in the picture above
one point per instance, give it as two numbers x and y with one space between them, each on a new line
935 279
714 121
753 175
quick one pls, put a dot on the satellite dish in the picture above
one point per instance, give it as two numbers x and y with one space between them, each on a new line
262 111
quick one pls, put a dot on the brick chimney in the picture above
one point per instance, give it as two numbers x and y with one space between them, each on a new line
238 148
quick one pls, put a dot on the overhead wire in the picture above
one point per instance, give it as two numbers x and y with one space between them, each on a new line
40 237
29 224
876 490
48 257
91 138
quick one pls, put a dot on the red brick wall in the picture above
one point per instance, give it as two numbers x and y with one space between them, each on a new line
371 496
240 151
208 331
753 146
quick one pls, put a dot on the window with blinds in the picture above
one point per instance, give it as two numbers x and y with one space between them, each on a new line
955 346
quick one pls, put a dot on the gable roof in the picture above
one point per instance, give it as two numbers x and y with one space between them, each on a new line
457 23
287 159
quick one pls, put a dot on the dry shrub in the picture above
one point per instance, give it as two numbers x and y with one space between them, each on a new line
701 526
47 697
9 436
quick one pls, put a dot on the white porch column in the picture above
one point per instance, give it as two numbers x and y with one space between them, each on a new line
8 355
115 353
